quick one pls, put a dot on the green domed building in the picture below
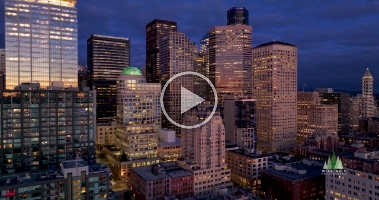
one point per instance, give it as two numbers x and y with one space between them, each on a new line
131 71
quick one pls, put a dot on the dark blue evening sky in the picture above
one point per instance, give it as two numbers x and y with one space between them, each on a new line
337 40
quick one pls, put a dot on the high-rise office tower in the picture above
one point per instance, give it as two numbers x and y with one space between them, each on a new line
355 112
154 32
275 88
203 150
237 16
230 61
368 107
328 96
82 76
240 124
41 42
138 116
312 115
200 86
107 56
42 128
2 69
177 54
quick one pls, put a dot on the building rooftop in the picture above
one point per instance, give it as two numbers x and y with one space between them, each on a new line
45 175
293 175
169 170
273 43
247 154
131 71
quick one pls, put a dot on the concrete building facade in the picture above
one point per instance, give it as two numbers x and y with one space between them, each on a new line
312 115
368 107
275 88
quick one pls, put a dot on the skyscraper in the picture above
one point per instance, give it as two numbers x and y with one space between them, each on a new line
154 32
312 115
230 61
200 86
138 116
2 69
107 56
240 123
177 54
41 42
237 16
41 128
368 107
203 150
275 88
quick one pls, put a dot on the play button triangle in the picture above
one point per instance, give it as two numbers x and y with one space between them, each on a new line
188 100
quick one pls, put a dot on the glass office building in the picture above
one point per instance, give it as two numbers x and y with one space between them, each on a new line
41 42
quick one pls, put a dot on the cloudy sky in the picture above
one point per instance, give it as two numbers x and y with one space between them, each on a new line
337 40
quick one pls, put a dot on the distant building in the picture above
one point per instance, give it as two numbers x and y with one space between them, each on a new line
360 180
2 69
82 76
201 86
302 181
230 61
203 150
107 56
88 181
312 115
169 148
319 145
154 31
138 118
368 107
106 133
343 102
237 16
240 124
176 54
370 140
161 180
245 167
355 110
275 88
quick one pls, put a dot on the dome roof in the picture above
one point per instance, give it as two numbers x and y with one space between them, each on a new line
131 71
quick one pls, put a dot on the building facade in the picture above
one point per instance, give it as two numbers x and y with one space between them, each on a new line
203 150
160 181
368 107
237 16
312 115
107 56
169 146
154 31
2 69
42 128
343 102
245 168
275 88
41 40
302 181
240 124
75 180
200 86
176 54
230 61
106 134
360 180
138 115
355 111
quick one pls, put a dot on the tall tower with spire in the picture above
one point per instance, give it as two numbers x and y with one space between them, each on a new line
367 95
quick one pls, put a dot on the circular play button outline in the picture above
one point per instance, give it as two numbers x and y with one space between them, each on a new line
214 93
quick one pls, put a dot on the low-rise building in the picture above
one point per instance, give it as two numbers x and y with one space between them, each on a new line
301 181
75 180
105 134
168 145
161 180
370 140
245 167
361 179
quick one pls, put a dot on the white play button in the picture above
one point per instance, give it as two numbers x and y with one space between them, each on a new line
188 100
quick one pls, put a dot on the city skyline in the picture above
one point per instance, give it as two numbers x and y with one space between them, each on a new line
270 20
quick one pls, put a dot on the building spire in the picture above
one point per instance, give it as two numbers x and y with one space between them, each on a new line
367 74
